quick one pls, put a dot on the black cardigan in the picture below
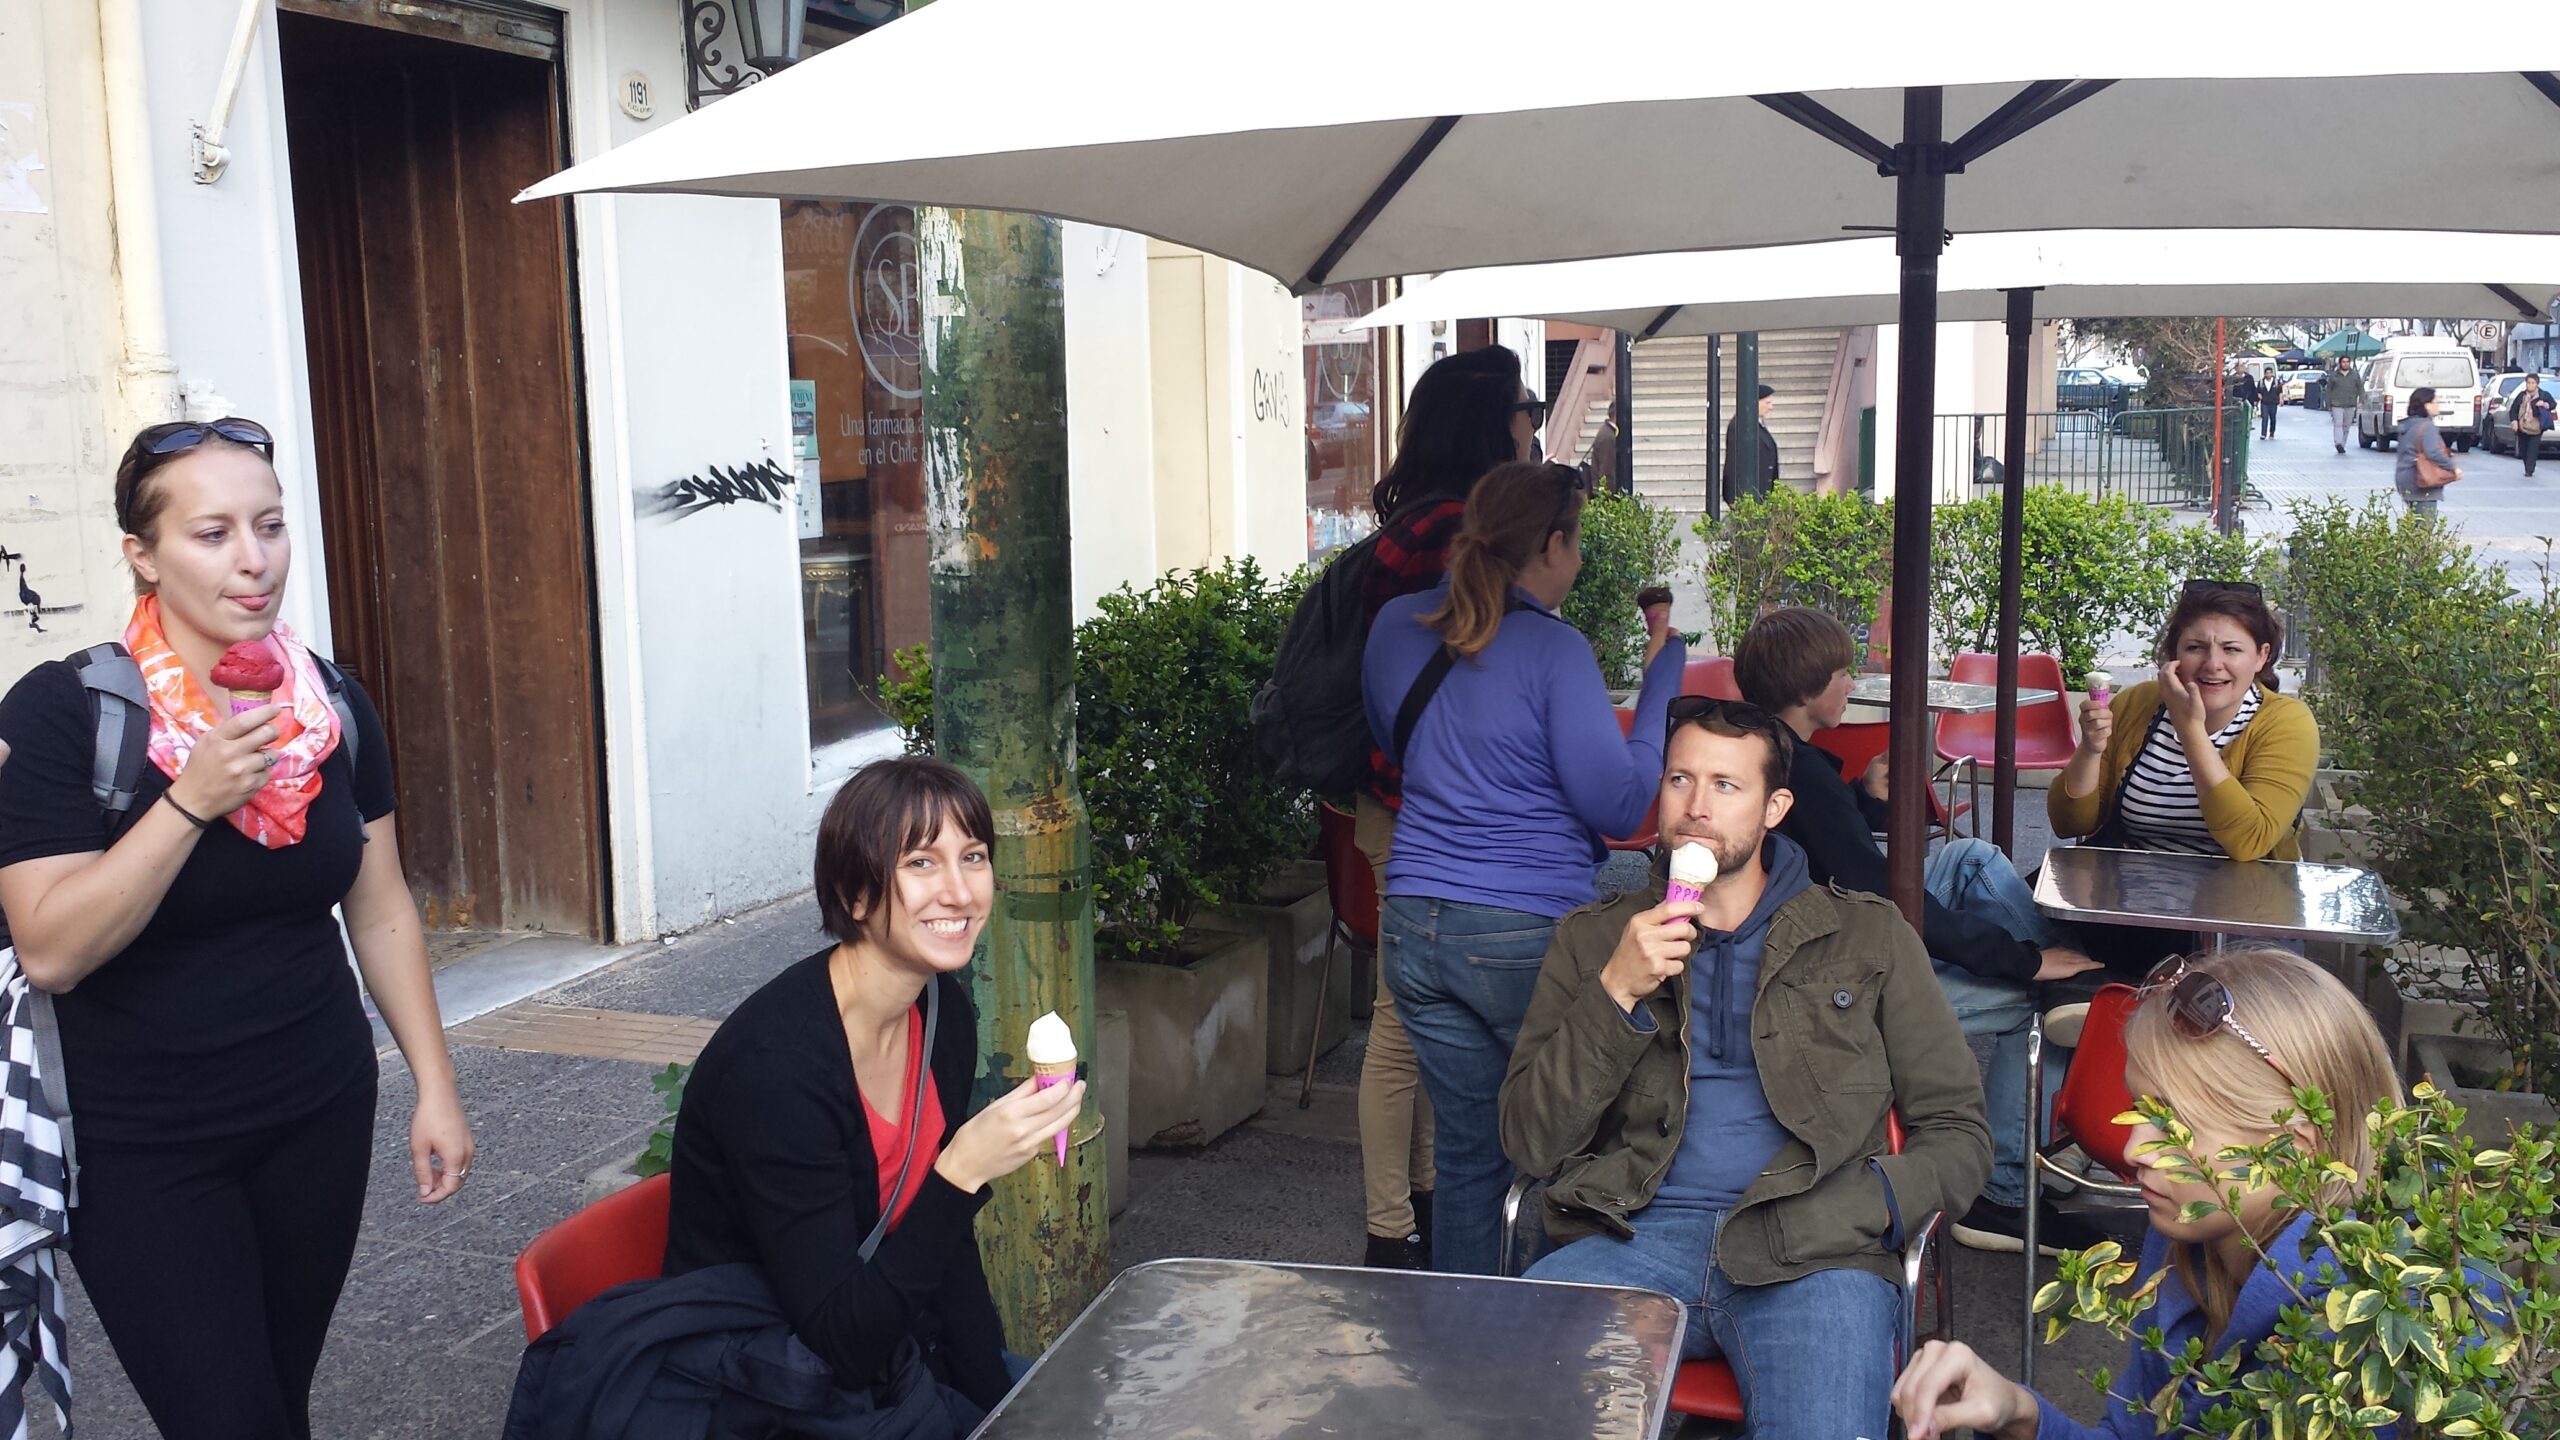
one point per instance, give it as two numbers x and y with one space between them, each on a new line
773 1167
1835 824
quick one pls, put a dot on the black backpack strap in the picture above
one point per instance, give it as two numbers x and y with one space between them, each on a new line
336 681
120 710
915 1122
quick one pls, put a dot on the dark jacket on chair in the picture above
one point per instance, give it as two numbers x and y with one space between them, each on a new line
706 1356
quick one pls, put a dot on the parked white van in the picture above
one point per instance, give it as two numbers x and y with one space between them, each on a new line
2407 363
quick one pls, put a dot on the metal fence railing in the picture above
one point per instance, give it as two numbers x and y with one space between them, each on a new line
2154 457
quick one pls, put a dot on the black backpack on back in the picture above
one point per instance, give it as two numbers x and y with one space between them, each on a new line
1307 718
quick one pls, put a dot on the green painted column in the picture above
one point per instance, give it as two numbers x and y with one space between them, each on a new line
995 418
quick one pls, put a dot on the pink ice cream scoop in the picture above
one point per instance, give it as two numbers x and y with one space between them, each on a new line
251 673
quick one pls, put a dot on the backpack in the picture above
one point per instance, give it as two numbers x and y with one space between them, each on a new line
1307 719
120 713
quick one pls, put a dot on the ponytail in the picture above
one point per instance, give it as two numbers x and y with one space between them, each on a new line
1510 514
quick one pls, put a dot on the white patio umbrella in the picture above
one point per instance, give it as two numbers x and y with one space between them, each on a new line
1506 131
2018 278
2075 273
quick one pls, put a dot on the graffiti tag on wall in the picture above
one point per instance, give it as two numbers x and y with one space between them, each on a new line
717 486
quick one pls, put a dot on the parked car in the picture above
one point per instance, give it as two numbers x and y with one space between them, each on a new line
2407 363
2497 432
2298 385
2089 389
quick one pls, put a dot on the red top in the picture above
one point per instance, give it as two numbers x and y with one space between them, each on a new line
889 1137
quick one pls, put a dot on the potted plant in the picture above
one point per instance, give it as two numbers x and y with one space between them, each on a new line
1185 820
2436 1323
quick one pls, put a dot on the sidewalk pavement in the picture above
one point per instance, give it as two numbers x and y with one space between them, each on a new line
427 1335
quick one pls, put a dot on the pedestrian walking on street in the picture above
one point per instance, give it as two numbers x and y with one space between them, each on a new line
2342 389
1736 484
1516 769
215 1044
2532 413
2270 400
2418 440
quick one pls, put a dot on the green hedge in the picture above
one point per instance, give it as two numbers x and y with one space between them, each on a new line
1185 813
1627 544
1830 552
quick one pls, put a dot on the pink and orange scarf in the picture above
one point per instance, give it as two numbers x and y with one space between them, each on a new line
182 714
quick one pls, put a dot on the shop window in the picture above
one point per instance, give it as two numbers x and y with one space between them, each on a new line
855 341
1343 440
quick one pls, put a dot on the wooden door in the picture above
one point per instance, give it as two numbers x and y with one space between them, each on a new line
447 420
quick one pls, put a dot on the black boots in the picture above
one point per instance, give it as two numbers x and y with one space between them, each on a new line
1410 1252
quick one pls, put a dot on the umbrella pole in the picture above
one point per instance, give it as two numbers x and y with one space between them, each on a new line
2013 528
2221 353
995 417
1920 236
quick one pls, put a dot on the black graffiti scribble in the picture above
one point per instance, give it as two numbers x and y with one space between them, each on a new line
762 483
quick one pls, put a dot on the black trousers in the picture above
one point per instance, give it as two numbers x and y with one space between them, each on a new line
2530 447
2266 422
215 1266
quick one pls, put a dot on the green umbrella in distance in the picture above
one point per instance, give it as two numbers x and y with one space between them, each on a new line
2347 342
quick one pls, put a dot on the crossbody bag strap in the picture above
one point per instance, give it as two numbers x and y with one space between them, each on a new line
55 1084
915 1120
1426 685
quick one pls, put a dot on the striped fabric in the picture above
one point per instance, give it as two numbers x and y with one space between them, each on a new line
35 1203
2161 811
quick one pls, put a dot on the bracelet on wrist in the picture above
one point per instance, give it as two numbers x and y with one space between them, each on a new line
190 816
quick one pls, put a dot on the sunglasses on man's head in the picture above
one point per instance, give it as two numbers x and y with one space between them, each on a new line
1737 715
183 435
2194 588
2200 1004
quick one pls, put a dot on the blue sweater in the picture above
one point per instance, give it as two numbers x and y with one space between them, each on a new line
2263 1298
1518 772
1730 1136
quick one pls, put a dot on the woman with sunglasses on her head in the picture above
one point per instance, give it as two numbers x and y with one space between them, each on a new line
2222 1040
1515 769
2207 758
218 1059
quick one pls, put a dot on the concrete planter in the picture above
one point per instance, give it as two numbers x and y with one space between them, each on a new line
2334 827
1197 1035
2490 1117
2420 994
1295 916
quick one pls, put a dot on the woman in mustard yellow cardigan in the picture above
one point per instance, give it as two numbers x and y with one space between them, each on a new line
2207 759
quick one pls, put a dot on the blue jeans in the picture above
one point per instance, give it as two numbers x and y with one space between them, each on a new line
1972 875
1462 976
1815 1356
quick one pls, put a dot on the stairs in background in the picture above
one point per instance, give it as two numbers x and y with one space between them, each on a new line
1671 410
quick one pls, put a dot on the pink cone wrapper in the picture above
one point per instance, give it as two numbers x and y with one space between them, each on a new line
2101 687
1052 1048
1693 869
1041 1077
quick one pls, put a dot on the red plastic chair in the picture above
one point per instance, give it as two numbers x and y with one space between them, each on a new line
1645 837
1857 743
620 1238
2093 1094
1710 676
1707 1389
1969 742
1352 887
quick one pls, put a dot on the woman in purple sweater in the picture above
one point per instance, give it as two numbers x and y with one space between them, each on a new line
1515 768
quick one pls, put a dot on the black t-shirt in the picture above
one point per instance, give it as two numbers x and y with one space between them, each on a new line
235 1008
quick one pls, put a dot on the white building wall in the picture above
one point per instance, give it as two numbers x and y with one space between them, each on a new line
1110 414
61 427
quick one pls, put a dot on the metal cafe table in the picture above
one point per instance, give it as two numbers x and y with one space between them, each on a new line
2217 895
1946 697
1240 1350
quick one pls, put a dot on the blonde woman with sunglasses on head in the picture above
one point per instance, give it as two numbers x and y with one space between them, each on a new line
2222 1040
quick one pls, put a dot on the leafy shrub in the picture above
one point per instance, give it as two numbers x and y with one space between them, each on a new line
1627 544
661 1149
1830 552
2443 686
2092 567
2406 1335
1184 810
907 694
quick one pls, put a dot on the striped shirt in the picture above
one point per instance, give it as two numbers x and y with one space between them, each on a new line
2160 808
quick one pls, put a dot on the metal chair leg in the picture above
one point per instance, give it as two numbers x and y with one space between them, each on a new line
2035 1192
1315 1032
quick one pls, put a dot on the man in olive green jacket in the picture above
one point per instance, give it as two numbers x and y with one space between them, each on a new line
1720 1136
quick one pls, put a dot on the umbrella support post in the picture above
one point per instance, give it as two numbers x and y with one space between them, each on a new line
1920 236
1746 413
995 419
2013 526
1715 427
